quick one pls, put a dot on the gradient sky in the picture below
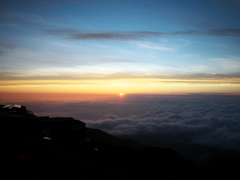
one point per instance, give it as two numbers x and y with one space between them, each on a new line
113 46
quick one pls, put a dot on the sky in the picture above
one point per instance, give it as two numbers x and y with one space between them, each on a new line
128 46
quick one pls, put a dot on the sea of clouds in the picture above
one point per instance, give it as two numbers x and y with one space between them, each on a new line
206 120
210 122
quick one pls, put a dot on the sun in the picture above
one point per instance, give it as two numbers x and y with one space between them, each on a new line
121 94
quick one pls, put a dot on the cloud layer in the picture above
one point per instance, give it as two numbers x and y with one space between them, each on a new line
212 123
201 120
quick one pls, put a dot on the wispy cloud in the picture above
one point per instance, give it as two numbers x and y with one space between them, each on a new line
13 16
6 47
65 77
155 47
229 63
74 34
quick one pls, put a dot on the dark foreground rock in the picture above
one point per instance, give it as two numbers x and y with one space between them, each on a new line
42 147
103 161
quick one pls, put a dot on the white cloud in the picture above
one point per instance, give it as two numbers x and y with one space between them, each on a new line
155 47
231 63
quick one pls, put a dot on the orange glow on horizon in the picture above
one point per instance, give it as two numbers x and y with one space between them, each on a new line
88 89
52 97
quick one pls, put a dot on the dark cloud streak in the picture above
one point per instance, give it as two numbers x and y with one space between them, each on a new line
234 32
73 34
